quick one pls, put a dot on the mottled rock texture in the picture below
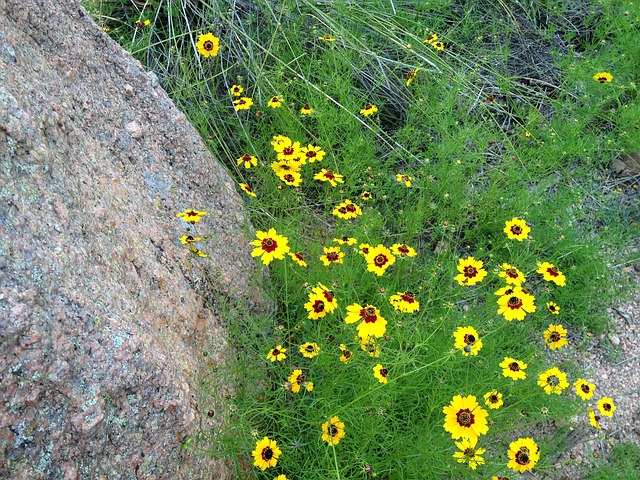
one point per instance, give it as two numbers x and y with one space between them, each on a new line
102 317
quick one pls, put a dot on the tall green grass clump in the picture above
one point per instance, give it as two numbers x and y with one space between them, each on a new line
423 181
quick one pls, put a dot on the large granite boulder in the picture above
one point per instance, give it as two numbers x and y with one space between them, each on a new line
104 314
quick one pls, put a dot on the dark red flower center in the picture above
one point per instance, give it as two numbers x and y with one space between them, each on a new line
275 352
269 245
274 99
516 229
554 337
493 398
351 208
403 249
334 430
585 388
410 75
306 107
380 260
310 348
318 306
329 174
465 418
208 45
408 297
602 79
369 315
288 151
553 381
606 406
365 250
470 271
267 454
329 295
383 372
246 157
289 178
553 271
299 256
552 308
333 256
368 107
300 379
512 273
522 456
514 367
241 102
469 339
342 210
191 213
346 353
514 303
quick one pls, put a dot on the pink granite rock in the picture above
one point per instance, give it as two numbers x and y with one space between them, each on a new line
104 314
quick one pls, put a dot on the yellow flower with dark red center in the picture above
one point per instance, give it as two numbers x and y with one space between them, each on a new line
372 324
187 239
379 259
584 389
553 308
554 336
364 249
468 454
298 258
332 255
282 167
467 340
247 189
236 90
431 38
553 381
411 75
330 176
405 302
511 274
347 210
551 273
516 305
316 306
438 45
327 38
403 250
243 103
309 349
275 102
266 454
366 196
464 418
471 271
208 45
248 160
493 399
345 240
306 110
346 354
288 150
594 419
514 369
333 431
331 302
299 380
603 77
269 245
516 229
524 453
404 178
312 153
606 406
277 354
291 178
369 109
380 373
191 216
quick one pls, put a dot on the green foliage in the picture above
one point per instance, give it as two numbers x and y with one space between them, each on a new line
485 134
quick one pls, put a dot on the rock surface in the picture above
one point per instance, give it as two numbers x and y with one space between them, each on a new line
102 318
